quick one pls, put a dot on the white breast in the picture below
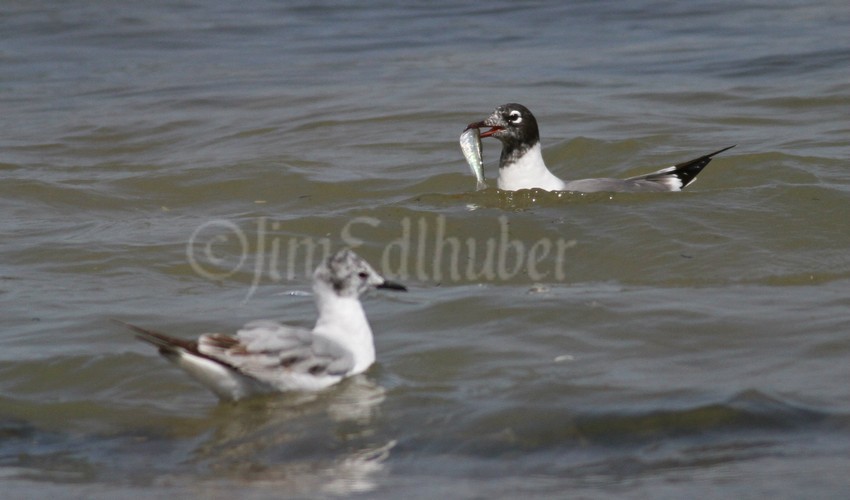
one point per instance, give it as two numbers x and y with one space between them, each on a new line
528 172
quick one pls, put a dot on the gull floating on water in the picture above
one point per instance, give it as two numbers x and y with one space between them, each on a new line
521 164
266 356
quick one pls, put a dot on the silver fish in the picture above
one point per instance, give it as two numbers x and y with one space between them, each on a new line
470 144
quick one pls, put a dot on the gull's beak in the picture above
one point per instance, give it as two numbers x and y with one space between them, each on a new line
392 285
494 121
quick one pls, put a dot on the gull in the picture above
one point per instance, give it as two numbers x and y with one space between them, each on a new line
521 164
266 357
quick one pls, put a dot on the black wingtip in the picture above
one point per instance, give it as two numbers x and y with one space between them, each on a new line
138 329
720 151
171 347
162 341
687 171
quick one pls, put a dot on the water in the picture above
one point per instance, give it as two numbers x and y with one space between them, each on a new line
171 164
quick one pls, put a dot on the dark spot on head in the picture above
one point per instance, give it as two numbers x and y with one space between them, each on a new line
290 360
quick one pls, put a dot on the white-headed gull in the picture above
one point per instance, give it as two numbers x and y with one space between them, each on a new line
266 356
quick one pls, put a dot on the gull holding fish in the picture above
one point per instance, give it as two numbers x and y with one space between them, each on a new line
266 356
521 163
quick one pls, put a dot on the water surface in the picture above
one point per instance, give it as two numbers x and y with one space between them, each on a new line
172 164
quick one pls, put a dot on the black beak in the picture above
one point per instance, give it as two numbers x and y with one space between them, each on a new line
392 285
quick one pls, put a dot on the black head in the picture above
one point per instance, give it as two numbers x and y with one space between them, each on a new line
515 126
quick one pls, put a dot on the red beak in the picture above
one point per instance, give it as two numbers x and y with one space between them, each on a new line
488 133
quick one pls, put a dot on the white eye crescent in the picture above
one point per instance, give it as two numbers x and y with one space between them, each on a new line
515 117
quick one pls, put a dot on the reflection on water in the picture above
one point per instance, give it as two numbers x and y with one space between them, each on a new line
299 443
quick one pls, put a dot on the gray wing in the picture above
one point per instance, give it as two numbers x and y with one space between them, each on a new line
673 178
633 185
272 352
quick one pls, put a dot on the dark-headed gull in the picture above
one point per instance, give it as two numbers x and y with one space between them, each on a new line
521 165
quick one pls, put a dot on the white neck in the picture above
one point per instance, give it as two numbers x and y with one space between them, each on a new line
343 320
529 171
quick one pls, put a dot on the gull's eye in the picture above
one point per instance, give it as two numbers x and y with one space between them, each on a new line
363 274
515 117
